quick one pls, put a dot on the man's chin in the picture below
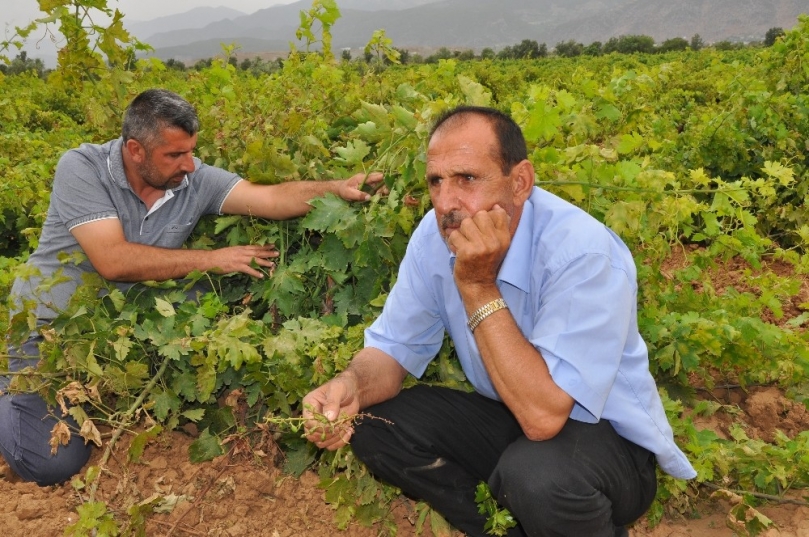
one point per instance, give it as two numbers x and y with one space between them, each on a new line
447 231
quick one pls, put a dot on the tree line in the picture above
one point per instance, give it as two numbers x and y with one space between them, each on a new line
527 49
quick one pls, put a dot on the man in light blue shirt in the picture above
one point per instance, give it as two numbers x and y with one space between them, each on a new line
540 300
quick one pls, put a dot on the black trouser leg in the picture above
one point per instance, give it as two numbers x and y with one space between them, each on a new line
436 445
587 480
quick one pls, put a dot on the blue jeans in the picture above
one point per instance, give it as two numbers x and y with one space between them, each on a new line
437 444
26 422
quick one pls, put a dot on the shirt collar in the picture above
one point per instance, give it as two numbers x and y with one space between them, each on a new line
515 270
115 164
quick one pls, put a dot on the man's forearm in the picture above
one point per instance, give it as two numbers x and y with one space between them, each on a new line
376 376
132 262
521 377
298 195
293 199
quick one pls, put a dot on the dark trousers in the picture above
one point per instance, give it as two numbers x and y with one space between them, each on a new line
26 422
437 444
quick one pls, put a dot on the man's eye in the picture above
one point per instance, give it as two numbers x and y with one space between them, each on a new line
468 177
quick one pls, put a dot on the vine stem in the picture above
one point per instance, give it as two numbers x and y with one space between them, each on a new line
202 493
124 424
31 374
639 189
768 497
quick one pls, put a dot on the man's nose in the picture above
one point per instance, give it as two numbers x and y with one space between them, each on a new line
445 198
188 163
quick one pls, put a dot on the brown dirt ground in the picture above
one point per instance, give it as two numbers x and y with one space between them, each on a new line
245 495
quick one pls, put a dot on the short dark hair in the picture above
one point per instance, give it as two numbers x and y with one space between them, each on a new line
154 110
512 149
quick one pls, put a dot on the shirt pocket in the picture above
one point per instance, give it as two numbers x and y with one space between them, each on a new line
173 235
178 228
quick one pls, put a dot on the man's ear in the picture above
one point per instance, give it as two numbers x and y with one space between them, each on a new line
522 181
136 150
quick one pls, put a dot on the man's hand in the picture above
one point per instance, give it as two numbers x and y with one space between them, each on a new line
242 258
329 411
117 259
480 244
372 377
360 186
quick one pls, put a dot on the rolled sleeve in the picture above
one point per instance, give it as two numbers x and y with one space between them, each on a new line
410 328
212 185
79 195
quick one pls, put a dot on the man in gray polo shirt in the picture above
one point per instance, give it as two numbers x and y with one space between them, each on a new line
128 207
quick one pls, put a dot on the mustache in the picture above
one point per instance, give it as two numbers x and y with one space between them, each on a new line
452 219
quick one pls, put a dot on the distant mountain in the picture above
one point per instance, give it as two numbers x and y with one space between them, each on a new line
199 17
377 5
263 24
467 23
480 23
209 48
713 20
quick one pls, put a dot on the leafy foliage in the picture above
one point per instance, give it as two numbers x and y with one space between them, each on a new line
499 520
698 153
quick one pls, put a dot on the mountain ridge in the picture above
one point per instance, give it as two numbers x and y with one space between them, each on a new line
199 17
475 24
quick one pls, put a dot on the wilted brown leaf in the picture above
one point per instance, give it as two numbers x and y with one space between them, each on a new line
60 435
49 335
74 393
90 433
232 400
92 393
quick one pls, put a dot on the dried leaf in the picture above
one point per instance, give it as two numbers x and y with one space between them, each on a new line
92 393
60 435
74 393
232 400
727 495
60 399
49 335
90 433
169 502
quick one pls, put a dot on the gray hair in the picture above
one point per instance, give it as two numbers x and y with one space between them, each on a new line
154 110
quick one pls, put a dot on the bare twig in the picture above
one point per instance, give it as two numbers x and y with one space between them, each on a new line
31 373
762 496
202 494
186 529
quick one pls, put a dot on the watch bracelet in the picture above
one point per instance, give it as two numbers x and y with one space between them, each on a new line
484 311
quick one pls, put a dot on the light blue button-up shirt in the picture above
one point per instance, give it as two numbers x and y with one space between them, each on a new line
570 284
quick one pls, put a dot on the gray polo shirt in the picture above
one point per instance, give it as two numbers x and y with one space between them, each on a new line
90 185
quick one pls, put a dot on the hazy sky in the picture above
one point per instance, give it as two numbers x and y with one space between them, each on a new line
21 12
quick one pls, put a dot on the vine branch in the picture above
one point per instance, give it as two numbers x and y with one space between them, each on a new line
639 189
125 422
760 495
